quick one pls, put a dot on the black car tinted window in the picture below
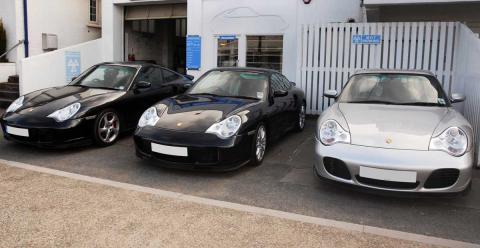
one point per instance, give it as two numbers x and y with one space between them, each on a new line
170 76
276 82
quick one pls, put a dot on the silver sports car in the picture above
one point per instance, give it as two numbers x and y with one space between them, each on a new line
396 131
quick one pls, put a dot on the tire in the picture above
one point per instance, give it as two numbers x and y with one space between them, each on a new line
259 146
300 123
106 129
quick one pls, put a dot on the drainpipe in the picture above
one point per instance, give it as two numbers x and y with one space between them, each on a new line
25 27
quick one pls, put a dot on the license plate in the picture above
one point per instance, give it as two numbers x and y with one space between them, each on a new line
170 150
18 131
388 175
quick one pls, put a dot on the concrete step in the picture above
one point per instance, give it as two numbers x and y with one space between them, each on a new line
5 102
9 94
13 79
9 86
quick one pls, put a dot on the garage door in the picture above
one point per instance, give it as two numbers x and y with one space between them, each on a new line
160 11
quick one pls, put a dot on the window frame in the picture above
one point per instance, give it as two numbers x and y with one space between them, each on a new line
96 22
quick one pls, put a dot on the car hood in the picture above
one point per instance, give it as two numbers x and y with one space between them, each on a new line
44 102
392 126
196 113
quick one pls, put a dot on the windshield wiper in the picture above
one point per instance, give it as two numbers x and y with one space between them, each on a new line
420 104
373 102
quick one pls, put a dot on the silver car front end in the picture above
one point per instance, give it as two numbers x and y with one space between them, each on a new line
434 171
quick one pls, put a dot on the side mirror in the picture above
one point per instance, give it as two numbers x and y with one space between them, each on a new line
73 78
293 84
331 94
143 85
280 93
190 77
187 86
457 97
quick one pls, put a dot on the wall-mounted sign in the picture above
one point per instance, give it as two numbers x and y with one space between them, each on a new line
367 39
194 52
72 65
227 37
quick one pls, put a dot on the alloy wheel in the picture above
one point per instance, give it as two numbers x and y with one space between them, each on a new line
108 127
261 143
301 117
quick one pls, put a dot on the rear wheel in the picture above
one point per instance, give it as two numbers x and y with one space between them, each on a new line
107 128
300 123
259 146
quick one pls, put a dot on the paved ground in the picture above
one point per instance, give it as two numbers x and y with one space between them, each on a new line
284 182
43 210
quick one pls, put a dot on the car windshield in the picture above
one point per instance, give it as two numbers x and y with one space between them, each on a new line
232 84
398 89
108 77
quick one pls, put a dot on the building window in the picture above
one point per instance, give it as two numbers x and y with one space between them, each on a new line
265 51
227 55
93 11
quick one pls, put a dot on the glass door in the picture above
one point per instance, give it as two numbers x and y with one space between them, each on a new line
227 51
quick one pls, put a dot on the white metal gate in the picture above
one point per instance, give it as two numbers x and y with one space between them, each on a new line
327 56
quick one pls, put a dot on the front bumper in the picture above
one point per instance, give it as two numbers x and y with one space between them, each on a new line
47 133
205 151
436 171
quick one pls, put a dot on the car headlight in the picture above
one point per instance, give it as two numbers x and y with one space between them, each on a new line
226 128
15 105
149 117
65 113
331 133
452 141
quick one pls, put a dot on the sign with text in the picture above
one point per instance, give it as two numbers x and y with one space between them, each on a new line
227 37
367 39
194 52
72 65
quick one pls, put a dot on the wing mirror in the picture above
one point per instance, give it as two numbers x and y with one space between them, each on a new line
457 97
187 86
293 84
280 93
143 85
331 94
190 77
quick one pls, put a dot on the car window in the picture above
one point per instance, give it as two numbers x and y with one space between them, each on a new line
233 84
156 77
285 82
393 89
170 76
145 74
276 82
109 77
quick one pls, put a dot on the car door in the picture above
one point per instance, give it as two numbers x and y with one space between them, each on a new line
292 106
277 106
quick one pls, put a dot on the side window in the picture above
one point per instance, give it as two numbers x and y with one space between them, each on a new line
169 76
156 77
145 74
286 83
276 82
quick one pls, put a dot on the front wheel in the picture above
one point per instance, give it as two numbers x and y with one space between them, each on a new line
259 146
107 128
300 123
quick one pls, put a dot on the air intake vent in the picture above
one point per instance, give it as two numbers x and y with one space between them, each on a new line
336 168
442 178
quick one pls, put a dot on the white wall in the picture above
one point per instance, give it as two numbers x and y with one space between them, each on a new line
49 69
7 14
210 18
367 2
6 70
67 19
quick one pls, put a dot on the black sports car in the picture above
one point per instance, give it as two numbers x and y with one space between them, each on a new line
102 102
223 121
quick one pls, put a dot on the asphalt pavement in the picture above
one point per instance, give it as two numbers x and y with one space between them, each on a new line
284 181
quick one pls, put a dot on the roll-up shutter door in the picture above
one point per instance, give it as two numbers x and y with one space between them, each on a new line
159 11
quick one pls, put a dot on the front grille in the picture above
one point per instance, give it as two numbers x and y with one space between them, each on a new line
336 167
442 178
386 184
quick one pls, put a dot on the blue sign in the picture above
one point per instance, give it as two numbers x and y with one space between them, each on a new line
367 39
194 52
72 65
227 37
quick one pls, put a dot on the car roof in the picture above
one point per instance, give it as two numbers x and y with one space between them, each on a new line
253 69
394 71
135 64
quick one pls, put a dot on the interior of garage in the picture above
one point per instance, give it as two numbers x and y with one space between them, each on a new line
157 33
